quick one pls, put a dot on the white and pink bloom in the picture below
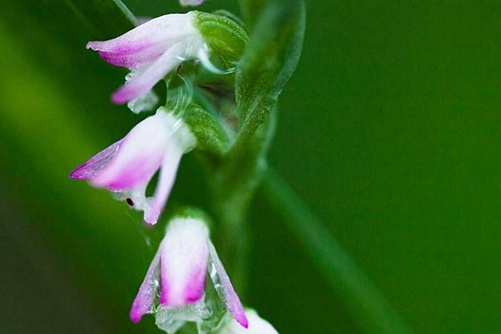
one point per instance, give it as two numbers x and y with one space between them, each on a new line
257 325
127 166
186 3
151 51
179 270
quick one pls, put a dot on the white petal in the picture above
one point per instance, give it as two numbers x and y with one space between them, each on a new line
257 325
183 262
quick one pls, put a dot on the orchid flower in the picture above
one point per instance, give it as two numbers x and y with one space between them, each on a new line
179 269
186 3
257 325
127 166
151 51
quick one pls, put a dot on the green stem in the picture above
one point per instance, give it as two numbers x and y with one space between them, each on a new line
231 236
372 311
234 182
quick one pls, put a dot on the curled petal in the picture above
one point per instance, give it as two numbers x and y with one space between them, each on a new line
183 262
147 292
224 288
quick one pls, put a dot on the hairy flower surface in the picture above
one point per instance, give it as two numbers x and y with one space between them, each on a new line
179 270
257 325
151 51
127 166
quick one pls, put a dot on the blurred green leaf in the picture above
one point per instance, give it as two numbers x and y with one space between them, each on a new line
105 18
251 9
366 304
52 121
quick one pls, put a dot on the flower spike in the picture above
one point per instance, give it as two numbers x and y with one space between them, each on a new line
127 166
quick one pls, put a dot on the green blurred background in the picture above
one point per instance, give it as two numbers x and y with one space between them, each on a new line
389 131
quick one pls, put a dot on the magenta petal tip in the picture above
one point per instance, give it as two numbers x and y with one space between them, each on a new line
240 317
244 322
135 315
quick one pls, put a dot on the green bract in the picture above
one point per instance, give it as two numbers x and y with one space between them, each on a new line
226 38
211 136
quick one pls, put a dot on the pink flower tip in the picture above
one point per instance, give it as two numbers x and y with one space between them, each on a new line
135 315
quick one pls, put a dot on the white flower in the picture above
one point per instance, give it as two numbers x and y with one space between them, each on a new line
179 270
152 50
127 166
